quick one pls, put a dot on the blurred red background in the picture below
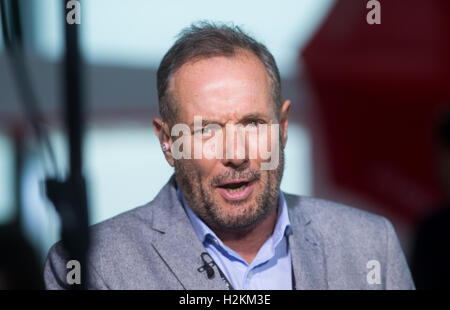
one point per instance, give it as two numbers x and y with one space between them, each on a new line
378 91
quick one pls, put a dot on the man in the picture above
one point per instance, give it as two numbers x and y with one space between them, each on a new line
221 222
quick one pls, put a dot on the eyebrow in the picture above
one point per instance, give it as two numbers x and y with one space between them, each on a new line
250 116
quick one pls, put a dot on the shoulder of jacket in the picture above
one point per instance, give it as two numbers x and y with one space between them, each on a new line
332 218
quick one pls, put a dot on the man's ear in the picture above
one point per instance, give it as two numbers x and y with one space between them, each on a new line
284 115
165 140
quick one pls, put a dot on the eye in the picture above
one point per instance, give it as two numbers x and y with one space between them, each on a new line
206 130
254 123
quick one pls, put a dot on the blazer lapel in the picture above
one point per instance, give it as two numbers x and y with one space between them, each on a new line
178 244
307 251
180 249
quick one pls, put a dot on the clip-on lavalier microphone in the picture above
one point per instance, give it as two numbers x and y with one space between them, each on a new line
208 266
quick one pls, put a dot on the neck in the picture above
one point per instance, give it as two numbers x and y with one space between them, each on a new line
247 243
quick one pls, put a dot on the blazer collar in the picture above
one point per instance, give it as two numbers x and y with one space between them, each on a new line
307 248
177 244
179 247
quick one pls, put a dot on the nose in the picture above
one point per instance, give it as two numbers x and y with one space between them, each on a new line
236 163
235 153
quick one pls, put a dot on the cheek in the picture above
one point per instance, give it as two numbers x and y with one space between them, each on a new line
253 145
212 149
205 167
262 144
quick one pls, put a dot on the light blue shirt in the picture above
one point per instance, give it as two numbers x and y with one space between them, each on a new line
271 269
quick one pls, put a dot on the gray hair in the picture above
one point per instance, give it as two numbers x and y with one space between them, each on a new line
204 40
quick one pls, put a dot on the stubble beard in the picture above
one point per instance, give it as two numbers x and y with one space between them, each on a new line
237 216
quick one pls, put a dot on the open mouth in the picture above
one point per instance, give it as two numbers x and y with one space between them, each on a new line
236 190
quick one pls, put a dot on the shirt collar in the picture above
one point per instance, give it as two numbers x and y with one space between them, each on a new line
204 233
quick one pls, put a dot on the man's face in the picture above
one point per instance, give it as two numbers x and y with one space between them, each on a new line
228 193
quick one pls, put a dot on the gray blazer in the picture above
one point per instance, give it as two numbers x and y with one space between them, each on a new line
155 247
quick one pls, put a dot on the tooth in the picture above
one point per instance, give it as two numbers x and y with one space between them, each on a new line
235 190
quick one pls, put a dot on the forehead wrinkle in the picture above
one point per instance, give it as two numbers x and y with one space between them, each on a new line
200 67
185 81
